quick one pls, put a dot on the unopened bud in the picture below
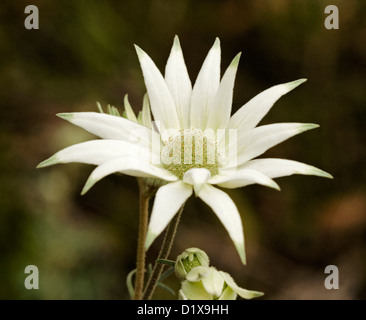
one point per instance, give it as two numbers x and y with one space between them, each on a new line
189 259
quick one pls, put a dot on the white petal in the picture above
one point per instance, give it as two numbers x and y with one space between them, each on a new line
168 201
181 295
194 291
98 151
179 84
226 211
275 168
197 177
228 294
112 127
205 87
241 178
244 293
249 115
162 104
219 115
213 283
198 273
128 165
255 142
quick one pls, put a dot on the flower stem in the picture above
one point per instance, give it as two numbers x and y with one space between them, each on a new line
143 220
163 255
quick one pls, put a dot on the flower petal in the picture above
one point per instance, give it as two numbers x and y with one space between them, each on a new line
98 151
168 201
205 87
198 273
250 114
243 177
219 115
197 177
129 165
228 294
181 295
194 291
226 211
244 293
111 127
162 104
213 283
275 168
179 84
260 139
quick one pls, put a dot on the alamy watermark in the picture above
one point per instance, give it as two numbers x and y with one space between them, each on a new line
332 20
331 281
31 281
32 20
186 147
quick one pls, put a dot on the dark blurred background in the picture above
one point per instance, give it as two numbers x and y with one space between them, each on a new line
84 246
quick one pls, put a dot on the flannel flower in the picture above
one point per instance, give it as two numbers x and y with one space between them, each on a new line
207 283
199 281
193 144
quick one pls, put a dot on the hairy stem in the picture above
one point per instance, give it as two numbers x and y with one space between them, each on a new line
163 254
143 221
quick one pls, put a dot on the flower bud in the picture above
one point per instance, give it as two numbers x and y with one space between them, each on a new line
207 283
189 259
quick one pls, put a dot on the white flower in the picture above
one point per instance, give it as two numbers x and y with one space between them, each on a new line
132 146
207 283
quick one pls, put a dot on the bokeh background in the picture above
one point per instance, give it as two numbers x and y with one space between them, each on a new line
84 246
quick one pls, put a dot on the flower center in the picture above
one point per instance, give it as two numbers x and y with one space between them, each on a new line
188 149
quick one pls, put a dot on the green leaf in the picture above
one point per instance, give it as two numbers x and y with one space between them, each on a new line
166 274
167 288
167 262
131 289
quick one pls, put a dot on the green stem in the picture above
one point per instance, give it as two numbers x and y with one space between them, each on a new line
163 255
143 221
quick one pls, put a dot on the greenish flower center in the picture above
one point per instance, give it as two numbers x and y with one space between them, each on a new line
188 149
190 264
